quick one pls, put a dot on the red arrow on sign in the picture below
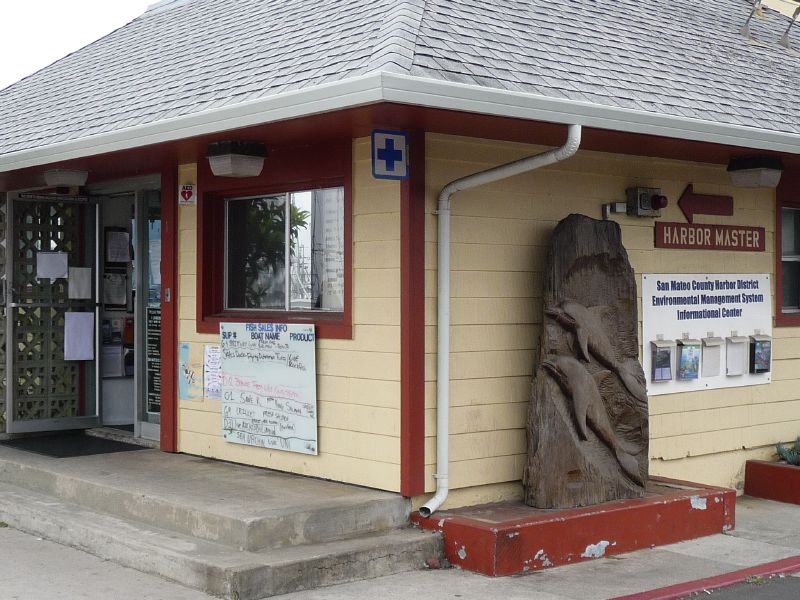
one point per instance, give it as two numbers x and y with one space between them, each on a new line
704 204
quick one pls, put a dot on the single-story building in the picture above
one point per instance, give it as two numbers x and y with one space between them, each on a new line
363 112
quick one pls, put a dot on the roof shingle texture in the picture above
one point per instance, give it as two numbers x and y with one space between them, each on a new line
673 57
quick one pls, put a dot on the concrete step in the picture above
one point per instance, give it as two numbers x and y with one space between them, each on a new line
238 506
212 567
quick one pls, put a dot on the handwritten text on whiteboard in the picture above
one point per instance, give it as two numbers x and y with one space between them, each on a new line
269 393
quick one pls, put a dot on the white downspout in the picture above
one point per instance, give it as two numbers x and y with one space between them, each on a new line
517 167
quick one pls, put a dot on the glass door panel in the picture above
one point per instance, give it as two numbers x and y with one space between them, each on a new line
148 307
51 313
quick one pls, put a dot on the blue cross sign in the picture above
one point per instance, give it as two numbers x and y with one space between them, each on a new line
389 154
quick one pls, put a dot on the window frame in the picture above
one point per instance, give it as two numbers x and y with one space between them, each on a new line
292 176
786 197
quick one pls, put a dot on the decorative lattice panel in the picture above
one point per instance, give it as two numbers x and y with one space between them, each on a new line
46 386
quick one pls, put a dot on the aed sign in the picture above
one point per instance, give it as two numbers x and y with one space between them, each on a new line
693 236
186 195
389 154
695 323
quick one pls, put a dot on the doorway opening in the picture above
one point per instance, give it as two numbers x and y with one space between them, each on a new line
130 324
82 310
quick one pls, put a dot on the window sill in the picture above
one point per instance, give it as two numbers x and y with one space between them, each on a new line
327 325
790 318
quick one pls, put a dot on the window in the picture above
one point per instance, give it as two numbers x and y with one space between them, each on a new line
285 251
787 252
790 260
277 248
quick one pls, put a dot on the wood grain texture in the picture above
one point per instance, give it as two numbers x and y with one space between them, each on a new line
588 420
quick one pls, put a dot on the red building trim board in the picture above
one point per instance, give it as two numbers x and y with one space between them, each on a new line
412 322
169 309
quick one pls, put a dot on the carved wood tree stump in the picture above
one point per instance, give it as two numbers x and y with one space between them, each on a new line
588 422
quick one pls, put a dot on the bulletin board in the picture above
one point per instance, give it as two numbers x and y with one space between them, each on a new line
268 385
689 319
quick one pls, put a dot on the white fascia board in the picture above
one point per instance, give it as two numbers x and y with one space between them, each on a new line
403 89
353 92
476 99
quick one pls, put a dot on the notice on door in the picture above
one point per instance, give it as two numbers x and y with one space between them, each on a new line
269 392
153 361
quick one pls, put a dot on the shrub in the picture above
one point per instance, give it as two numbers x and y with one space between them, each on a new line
791 454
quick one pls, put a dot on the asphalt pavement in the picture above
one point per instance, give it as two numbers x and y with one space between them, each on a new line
762 588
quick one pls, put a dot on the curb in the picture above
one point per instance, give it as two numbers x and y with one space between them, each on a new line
680 590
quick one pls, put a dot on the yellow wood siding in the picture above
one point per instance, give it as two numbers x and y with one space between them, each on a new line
500 234
358 380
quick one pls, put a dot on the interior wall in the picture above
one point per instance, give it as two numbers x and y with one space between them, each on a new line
119 406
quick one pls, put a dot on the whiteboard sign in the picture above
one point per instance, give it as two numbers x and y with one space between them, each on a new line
269 387
709 319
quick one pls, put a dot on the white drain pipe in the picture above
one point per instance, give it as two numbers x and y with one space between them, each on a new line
517 167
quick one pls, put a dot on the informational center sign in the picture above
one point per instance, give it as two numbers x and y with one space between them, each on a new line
705 331
269 392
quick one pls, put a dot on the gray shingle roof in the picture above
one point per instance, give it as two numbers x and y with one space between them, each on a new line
681 58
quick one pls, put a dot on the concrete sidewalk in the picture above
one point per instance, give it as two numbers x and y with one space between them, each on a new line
765 532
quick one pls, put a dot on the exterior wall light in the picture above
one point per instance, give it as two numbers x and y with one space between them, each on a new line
755 171
65 178
236 159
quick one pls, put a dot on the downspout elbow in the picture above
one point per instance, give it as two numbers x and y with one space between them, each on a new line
432 505
572 144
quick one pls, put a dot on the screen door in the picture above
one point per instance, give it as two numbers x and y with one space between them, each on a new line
51 298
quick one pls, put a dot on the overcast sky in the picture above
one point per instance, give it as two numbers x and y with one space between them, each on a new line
35 33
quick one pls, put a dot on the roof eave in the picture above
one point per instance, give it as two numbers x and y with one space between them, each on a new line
470 98
404 89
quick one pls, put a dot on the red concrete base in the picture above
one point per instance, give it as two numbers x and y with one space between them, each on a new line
510 538
772 480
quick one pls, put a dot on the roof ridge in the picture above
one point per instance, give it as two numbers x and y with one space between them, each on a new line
397 37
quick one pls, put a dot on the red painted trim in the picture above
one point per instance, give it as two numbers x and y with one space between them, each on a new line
169 310
510 538
358 122
682 590
772 480
285 170
412 322
785 196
